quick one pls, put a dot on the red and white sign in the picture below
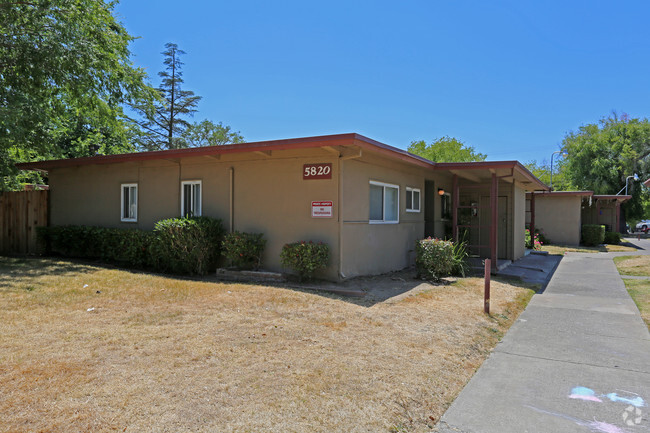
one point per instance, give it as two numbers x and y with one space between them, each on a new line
322 209
317 171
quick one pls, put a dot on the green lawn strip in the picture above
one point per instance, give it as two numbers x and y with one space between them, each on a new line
639 290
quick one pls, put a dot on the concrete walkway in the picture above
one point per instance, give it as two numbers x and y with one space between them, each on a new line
577 360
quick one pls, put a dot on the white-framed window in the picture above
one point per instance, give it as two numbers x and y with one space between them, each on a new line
384 203
129 200
190 198
412 199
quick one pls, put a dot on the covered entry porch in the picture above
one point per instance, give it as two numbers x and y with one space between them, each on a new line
488 207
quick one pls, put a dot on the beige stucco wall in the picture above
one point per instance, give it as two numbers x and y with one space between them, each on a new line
270 197
559 218
518 222
376 248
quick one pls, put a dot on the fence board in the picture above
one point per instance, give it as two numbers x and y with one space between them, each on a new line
20 213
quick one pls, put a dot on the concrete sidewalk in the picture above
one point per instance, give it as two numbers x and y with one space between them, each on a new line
577 360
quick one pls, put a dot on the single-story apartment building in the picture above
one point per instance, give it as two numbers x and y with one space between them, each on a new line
368 201
561 214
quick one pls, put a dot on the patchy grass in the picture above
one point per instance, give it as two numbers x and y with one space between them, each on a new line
639 290
560 250
633 265
85 348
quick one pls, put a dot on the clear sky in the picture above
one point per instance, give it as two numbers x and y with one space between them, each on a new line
510 78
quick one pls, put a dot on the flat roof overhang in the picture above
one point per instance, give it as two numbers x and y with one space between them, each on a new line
480 172
332 143
618 198
563 193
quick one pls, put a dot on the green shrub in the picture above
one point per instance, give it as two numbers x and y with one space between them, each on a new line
244 250
461 253
612 238
305 258
186 245
126 247
593 234
434 258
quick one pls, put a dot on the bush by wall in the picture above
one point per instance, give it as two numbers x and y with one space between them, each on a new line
612 238
178 245
305 258
593 234
121 246
186 245
533 243
244 250
434 258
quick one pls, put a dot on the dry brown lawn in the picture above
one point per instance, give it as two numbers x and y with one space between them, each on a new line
633 265
562 249
86 348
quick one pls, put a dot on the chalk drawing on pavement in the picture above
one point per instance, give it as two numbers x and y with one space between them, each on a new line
588 394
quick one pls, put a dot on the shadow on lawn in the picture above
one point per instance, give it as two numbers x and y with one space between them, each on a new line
12 268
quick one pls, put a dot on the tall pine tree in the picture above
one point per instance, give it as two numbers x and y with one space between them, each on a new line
165 122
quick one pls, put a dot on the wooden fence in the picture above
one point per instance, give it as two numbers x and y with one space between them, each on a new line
20 213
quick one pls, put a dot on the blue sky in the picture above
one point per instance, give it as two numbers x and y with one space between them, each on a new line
510 78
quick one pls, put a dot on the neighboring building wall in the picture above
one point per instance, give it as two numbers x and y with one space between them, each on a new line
600 212
559 218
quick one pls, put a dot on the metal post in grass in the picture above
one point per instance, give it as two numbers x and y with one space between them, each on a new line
486 296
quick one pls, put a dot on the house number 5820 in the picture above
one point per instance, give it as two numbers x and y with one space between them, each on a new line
317 171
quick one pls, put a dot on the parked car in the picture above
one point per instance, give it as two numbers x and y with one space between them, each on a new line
642 226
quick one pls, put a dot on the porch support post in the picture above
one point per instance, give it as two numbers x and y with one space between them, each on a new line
454 208
618 216
494 221
532 215
597 212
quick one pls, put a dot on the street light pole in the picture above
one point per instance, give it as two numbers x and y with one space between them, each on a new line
552 154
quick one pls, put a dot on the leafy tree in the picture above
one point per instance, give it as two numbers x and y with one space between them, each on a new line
165 122
208 133
602 155
542 171
65 72
446 149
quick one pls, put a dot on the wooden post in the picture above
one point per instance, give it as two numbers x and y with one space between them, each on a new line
618 217
486 294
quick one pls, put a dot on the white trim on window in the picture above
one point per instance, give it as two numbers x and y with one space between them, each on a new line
194 200
389 197
129 197
415 204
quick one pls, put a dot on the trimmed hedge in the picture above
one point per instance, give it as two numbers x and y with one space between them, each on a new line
612 238
126 247
305 258
186 245
178 245
244 250
434 258
593 234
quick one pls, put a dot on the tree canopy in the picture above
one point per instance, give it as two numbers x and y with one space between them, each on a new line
65 73
446 149
602 155
165 121
208 133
